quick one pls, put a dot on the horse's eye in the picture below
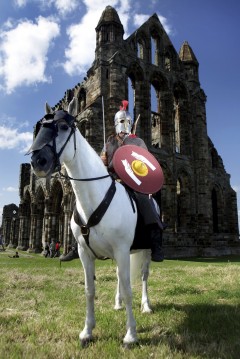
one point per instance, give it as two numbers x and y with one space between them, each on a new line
63 127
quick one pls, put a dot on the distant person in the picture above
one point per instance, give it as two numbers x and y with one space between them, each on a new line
52 249
57 249
47 250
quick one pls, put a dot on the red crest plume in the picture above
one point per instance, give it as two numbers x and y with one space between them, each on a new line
124 105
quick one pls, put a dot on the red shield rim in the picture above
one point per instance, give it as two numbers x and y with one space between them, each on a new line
138 168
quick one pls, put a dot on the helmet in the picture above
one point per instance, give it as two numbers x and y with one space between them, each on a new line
122 120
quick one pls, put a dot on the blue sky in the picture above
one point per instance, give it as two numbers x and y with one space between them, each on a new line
46 47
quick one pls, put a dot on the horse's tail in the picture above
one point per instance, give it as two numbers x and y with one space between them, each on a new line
139 264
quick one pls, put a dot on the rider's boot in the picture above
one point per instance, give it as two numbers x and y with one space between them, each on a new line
73 254
156 244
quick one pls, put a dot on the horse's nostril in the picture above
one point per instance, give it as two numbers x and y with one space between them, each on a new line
41 161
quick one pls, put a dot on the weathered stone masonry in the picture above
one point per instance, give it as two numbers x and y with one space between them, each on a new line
197 201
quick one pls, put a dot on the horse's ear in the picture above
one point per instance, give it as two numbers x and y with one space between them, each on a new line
72 107
48 109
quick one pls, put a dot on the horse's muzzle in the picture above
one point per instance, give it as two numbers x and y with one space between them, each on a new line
43 162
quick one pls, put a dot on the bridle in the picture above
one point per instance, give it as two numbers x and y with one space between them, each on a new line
50 122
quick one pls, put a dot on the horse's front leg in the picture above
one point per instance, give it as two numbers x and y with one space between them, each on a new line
123 263
118 296
89 272
145 305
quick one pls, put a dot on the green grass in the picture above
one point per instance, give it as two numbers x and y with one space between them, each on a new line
196 305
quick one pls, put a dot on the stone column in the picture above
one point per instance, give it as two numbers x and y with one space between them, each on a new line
32 241
67 235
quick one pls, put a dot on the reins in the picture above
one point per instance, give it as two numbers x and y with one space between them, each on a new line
58 166
61 175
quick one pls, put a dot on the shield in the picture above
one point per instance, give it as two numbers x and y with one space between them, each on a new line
138 168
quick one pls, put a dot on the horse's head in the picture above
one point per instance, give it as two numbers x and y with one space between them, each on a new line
52 134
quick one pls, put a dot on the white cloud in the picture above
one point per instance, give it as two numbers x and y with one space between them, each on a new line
20 3
80 52
23 51
11 189
11 138
165 24
139 19
62 6
236 188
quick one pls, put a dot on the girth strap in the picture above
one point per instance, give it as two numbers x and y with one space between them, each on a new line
96 216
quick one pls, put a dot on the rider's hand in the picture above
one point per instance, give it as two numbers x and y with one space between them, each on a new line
104 158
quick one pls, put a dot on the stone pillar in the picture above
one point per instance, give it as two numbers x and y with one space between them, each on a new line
11 243
32 241
67 235
20 233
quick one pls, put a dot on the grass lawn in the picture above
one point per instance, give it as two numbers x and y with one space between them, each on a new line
196 310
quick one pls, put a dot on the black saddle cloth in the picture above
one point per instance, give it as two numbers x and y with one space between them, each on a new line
142 238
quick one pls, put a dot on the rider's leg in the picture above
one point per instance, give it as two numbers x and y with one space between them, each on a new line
156 243
153 223
72 254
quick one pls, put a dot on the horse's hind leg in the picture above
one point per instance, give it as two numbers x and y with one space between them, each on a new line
123 263
145 305
89 271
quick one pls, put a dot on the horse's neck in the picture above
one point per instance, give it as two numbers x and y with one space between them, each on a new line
87 164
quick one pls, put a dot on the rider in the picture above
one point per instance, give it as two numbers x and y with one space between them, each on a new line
123 127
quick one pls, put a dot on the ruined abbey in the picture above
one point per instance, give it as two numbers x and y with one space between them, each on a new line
163 87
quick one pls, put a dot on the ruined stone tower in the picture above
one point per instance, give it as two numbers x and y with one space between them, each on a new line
197 201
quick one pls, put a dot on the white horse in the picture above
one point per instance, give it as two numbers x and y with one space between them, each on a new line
58 142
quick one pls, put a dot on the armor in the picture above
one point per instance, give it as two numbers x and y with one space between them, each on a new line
122 120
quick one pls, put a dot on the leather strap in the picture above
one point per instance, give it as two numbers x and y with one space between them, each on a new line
96 216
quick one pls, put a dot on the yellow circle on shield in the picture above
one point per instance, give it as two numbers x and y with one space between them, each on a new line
139 168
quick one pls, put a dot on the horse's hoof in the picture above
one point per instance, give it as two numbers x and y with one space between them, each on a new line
147 310
129 346
85 342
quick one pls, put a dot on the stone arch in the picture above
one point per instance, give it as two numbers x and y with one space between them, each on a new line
25 221
10 224
37 219
181 120
135 76
155 35
81 99
143 46
158 90
169 58
57 212
184 200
